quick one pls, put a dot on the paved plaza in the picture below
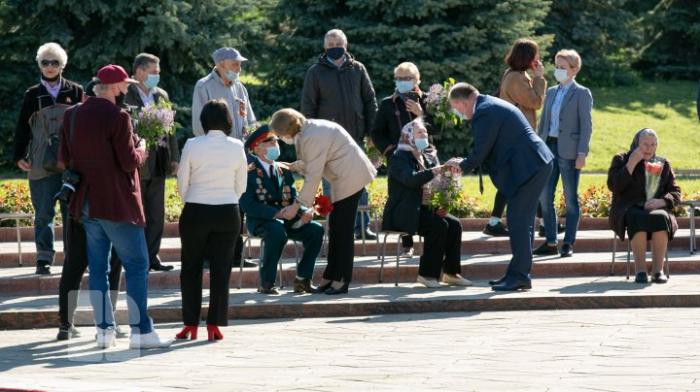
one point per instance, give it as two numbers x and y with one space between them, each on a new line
573 350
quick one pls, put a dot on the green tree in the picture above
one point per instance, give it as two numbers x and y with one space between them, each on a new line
672 37
466 40
94 33
604 32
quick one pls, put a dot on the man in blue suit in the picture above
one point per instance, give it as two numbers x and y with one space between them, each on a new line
519 164
271 188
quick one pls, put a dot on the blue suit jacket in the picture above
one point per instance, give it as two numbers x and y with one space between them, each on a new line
263 198
505 145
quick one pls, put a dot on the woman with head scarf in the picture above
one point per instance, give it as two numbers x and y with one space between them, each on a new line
644 193
411 168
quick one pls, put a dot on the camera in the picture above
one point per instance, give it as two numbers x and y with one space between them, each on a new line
70 184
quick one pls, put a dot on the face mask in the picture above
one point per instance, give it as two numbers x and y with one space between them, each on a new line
231 76
151 81
272 153
404 86
561 75
421 143
287 140
458 114
335 53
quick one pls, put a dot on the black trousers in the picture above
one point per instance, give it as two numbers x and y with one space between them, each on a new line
238 251
443 244
153 199
75 263
341 238
207 232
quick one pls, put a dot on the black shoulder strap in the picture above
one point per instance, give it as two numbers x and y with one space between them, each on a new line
72 122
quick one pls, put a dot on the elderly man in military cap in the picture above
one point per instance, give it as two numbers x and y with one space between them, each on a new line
223 83
271 188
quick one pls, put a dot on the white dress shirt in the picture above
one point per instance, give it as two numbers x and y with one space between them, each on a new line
213 170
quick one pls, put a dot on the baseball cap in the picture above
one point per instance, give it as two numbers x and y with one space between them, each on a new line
110 74
227 54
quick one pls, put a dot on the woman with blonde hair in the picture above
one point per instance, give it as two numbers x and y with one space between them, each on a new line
329 152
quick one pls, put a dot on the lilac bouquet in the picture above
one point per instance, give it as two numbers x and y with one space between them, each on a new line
154 123
446 191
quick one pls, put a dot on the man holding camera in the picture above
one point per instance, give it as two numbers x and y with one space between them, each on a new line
108 201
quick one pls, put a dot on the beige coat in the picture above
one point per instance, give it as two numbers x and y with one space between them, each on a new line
525 93
329 152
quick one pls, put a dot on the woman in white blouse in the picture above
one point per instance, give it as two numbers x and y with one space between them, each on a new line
212 176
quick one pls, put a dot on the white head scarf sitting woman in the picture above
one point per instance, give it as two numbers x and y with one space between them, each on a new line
410 207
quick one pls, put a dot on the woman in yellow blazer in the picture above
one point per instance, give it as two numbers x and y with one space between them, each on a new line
329 152
527 94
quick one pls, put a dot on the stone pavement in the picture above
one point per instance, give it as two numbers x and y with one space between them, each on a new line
582 350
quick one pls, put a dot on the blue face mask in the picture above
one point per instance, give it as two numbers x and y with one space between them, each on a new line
231 76
404 86
421 144
458 114
151 81
272 153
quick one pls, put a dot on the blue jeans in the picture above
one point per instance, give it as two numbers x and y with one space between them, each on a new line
364 200
42 192
570 179
130 243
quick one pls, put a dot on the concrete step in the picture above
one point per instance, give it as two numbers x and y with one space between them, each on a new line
363 300
9 234
21 281
473 242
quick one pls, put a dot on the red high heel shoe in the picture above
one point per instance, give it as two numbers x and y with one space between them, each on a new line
214 333
190 330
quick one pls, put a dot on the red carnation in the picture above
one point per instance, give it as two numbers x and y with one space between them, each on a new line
323 205
654 168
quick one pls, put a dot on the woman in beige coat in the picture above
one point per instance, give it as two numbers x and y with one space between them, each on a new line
329 152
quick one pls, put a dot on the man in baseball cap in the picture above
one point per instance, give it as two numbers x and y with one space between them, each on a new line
98 145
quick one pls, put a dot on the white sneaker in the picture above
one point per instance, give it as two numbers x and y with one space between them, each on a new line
455 280
105 338
430 283
148 340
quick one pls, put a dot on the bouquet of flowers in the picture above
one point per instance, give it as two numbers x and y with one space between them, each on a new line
652 174
154 123
322 205
454 133
446 191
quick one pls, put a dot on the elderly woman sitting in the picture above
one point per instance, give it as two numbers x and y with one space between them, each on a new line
411 168
644 193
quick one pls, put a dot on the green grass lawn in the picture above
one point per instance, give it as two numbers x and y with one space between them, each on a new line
667 107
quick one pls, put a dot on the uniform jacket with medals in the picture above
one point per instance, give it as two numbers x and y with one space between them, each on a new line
265 196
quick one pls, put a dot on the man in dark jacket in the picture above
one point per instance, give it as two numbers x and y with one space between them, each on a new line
162 158
108 201
519 164
338 88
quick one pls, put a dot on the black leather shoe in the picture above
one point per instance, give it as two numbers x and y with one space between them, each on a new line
160 267
659 277
497 281
268 289
513 285
343 290
246 263
324 287
641 277
304 286
67 331
369 235
498 230
545 250
566 250
43 267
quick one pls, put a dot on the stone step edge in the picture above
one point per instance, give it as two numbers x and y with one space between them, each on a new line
49 318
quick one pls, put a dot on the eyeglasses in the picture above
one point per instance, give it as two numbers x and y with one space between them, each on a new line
404 78
53 63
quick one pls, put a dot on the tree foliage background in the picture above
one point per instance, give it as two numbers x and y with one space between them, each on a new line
620 40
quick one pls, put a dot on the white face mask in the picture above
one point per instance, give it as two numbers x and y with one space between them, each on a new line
561 75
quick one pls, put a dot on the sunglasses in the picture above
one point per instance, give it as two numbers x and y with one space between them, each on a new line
53 63
404 78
